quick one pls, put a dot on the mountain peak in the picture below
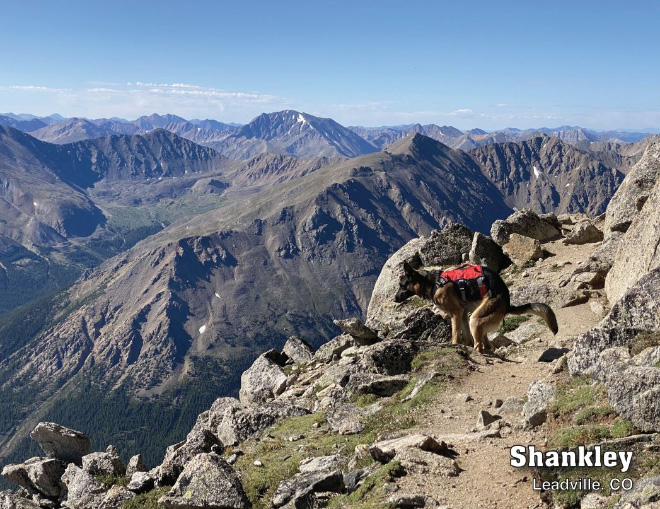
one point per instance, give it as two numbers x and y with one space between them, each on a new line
416 144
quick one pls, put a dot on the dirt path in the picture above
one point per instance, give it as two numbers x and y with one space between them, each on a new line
487 479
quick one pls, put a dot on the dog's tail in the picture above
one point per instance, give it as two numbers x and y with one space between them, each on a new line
538 309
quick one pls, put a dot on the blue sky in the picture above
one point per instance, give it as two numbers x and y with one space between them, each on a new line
467 64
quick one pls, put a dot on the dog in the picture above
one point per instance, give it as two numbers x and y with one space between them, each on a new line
470 289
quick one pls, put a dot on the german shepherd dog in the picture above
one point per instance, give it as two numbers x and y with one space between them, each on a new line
487 312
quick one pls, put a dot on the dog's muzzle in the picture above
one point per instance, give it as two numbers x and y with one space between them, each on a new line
402 295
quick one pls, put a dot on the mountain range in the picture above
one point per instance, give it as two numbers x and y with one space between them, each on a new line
193 263
294 133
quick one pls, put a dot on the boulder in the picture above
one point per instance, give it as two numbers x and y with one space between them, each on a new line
526 223
387 450
263 381
583 233
321 464
637 252
141 482
645 493
335 346
12 500
512 405
347 419
427 463
391 357
104 463
178 455
383 312
299 491
362 334
136 464
522 250
213 417
486 251
449 246
116 497
239 423
207 481
633 191
539 396
298 350
37 475
62 443
83 491
380 385
486 418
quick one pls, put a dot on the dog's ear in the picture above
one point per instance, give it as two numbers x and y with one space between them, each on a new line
407 269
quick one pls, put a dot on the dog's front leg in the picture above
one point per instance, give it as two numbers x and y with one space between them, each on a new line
456 326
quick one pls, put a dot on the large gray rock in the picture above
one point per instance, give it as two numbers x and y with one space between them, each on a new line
298 350
637 311
387 450
263 381
633 192
12 500
37 475
644 494
638 251
116 497
62 443
334 347
83 491
391 357
362 334
208 481
486 251
178 455
141 482
584 233
449 246
526 223
213 417
539 396
521 249
104 463
299 491
136 464
239 423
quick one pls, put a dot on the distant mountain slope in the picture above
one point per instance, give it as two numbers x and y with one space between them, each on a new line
548 175
293 133
75 129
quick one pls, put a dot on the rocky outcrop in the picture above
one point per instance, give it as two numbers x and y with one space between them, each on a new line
104 463
639 249
62 443
37 475
298 350
636 312
362 334
83 491
177 456
633 192
526 223
264 380
207 481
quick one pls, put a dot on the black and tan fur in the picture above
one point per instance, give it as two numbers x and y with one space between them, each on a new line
486 314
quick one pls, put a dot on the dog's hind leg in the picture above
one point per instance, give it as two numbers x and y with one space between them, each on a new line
486 318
